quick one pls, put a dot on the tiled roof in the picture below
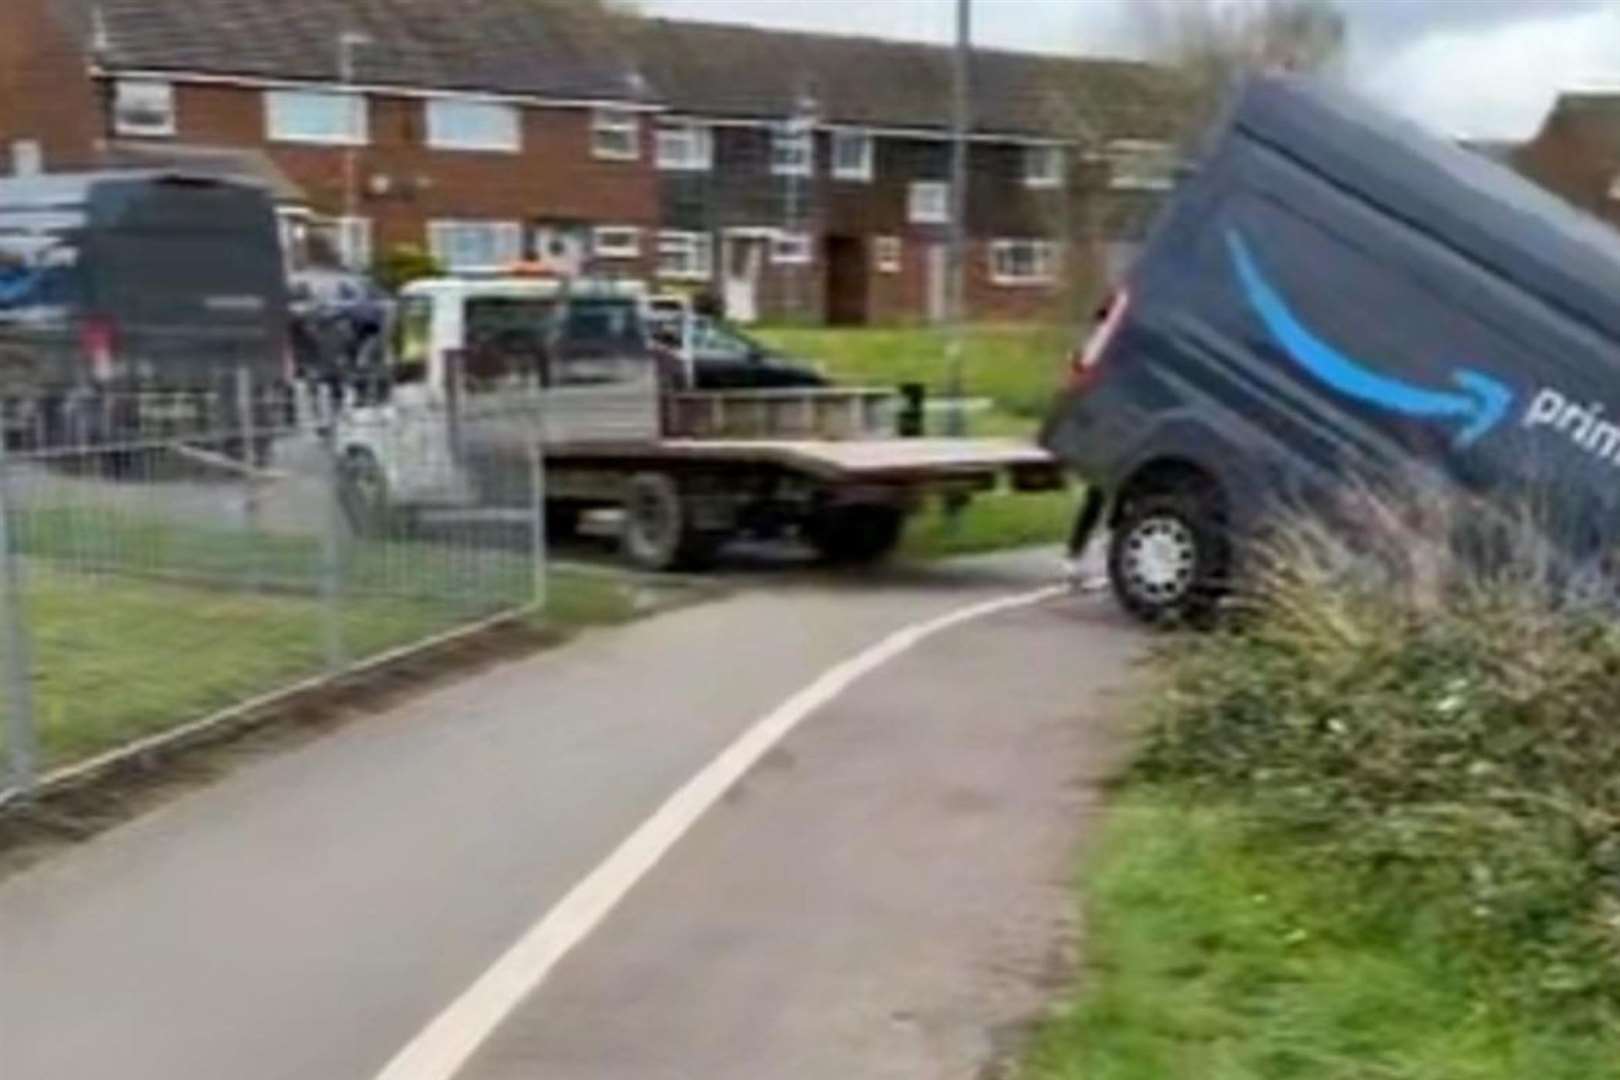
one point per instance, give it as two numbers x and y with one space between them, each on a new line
713 69
555 49
546 48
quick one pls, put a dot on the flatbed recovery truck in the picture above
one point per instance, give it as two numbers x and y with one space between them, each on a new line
689 470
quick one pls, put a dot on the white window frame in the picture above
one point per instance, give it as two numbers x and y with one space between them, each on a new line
162 91
921 198
1044 255
1044 165
615 123
277 103
354 247
698 245
684 147
888 254
863 170
1122 151
442 116
616 242
792 248
800 140
506 237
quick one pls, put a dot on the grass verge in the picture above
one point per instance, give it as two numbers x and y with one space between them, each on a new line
1016 366
1374 829
990 522
118 658
1212 957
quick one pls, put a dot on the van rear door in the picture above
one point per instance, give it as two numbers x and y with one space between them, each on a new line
190 278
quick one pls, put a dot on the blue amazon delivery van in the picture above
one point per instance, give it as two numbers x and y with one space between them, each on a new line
1335 293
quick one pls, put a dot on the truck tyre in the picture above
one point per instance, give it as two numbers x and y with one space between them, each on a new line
1167 558
659 533
852 535
363 493
562 520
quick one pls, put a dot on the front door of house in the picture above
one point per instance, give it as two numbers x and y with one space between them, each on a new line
939 282
744 265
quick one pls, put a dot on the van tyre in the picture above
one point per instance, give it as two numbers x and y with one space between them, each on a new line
1167 558
659 531
364 494
854 535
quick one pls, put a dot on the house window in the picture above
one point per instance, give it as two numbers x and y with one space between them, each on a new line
929 203
886 253
354 242
1023 262
1140 165
685 256
475 245
615 135
791 249
312 116
474 125
685 147
851 155
793 151
27 157
142 107
616 242
1043 166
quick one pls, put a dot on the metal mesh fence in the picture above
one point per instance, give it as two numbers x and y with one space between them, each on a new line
170 555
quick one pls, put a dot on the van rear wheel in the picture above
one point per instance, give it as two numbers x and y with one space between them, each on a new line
1167 558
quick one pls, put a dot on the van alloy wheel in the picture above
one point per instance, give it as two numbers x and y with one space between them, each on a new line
1161 559
1168 557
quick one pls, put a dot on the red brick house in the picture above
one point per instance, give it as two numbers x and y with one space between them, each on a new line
1576 153
794 174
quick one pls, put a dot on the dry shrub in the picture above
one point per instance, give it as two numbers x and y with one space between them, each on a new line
1428 704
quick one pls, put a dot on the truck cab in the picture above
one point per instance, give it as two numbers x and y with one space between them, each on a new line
468 363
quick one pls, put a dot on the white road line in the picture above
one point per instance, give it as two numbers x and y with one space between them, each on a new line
442 1048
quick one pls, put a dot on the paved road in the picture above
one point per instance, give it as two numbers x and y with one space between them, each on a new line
874 900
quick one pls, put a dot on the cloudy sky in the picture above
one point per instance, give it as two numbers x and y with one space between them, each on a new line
1483 68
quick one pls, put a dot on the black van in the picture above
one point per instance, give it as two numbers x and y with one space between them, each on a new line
118 282
1336 293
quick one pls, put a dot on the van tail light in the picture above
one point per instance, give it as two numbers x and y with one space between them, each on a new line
99 340
1085 363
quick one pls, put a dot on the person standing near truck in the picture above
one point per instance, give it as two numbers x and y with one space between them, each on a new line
1090 514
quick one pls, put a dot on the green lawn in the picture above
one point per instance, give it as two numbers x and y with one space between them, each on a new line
1018 367
1209 960
137 625
991 523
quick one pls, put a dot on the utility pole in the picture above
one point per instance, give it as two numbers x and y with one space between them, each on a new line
961 96
348 42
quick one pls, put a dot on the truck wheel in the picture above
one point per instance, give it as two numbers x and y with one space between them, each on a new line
363 493
1167 558
852 535
562 520
659 533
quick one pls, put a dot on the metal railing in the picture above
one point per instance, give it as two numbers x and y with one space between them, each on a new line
166 557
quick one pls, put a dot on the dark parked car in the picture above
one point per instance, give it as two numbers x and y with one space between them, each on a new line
721 357
1335 294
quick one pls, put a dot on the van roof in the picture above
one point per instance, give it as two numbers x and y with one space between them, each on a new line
74 189
1484 210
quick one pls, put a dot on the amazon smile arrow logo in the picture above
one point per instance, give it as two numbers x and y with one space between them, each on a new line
1478 401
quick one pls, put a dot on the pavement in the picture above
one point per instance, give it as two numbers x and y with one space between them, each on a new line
884 895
